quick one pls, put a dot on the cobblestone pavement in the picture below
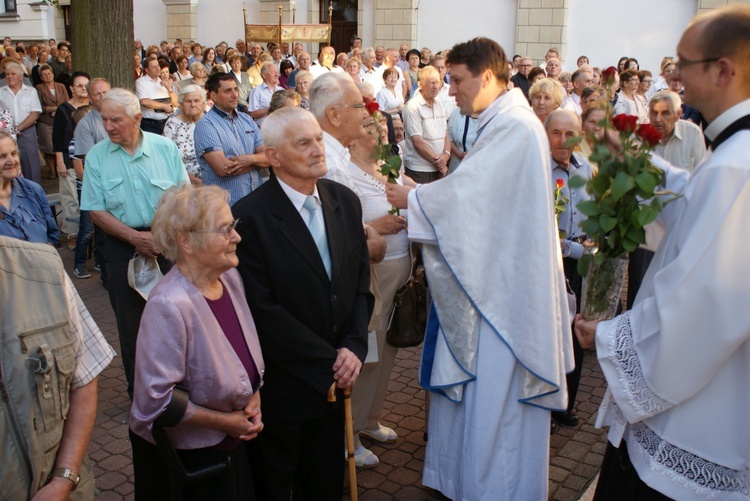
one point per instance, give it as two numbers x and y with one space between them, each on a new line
575 453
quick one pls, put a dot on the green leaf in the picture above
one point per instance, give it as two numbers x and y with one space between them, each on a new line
637 235
576 181
623 183
607 223
629 245
600 184
583 264
590 226
573 141
394 162
649 216
646 182
588 208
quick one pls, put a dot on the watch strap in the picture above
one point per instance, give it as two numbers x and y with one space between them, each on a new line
66 473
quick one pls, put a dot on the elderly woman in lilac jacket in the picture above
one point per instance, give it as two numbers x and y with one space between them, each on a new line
197 338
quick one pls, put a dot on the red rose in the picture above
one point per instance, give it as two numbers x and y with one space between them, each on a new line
608 75
372 107
560 184
648 134
625 123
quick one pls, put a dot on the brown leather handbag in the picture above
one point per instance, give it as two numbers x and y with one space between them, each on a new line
409 317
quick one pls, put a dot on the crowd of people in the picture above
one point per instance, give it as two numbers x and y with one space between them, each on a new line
248 239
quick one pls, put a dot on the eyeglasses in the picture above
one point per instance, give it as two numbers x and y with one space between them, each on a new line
355 105
681 63
78 86
226 230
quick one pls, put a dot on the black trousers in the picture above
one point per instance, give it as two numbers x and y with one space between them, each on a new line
637 268
154 126
305 458
152 479
618 480
576 283
126 303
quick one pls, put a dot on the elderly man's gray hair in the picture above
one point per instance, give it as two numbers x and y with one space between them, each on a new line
326 91
277 125
16 66
266 68
667 96
125 98
366 89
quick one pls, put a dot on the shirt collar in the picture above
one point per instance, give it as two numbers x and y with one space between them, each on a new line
224 114
334 147
297 198
727 118
143 149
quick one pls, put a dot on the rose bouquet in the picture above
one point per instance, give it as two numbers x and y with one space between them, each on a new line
625 198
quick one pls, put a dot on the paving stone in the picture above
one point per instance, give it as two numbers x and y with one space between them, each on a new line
110 480
558 474
565 494
575 453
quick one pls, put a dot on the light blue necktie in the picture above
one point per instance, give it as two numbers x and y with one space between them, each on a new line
318 232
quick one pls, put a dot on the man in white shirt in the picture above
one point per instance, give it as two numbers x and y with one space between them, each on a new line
260 96
369 73
426 129
404 84
340 110
449 102
324 63
153 93
682 144
581 79
23 102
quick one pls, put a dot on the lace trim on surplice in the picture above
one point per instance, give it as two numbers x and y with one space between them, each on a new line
640 396
699 474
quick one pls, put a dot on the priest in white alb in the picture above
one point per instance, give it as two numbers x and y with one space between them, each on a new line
498 341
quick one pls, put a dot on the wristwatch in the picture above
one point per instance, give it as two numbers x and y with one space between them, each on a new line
65 473
447 152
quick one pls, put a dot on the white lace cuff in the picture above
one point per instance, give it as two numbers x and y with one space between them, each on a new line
639 396
708 479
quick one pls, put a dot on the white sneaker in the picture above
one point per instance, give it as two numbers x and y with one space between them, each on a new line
383 434
365 458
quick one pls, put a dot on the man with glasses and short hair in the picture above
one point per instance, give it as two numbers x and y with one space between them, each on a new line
521 79
676 362
428 142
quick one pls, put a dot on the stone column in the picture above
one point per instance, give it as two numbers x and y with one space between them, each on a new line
541 24
182 19
395 23
269 12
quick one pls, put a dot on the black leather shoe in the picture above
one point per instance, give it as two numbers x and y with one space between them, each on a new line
567 418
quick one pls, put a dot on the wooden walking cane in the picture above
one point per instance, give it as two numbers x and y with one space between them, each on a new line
349 436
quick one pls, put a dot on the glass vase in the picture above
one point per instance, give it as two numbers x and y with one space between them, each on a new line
602 287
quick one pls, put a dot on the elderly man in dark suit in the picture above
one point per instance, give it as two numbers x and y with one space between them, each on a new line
304 261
